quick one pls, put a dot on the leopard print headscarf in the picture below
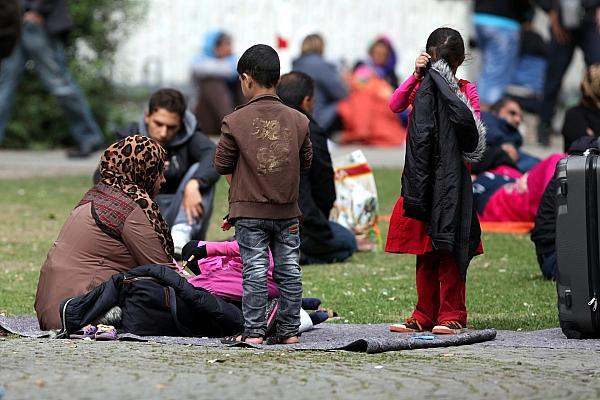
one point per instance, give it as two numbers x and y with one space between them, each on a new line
133 165
590 86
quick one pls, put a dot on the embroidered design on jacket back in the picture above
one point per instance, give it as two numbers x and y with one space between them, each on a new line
273 153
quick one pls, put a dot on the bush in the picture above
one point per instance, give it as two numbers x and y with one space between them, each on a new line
99 26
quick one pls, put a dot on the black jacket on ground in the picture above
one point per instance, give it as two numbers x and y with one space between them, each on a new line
436 184
317 189
189 146
212 316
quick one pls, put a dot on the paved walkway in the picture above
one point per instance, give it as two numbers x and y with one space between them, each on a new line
59 369
19 164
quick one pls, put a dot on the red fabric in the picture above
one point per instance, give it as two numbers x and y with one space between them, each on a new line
407 235
441 293
519 200
366 117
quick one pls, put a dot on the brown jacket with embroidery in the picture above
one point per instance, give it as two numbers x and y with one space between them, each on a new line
264 144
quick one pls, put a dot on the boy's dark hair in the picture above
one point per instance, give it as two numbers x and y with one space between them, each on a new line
170 99
293 87
446 43
261 62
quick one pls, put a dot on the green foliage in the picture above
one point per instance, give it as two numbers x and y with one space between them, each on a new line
505 289
99 26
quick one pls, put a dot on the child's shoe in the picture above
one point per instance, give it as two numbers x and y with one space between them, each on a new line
448 328
105 332
411 325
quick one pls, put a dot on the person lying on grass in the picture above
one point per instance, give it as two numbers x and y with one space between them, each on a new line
218 269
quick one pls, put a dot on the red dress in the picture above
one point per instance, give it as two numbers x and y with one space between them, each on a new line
407 235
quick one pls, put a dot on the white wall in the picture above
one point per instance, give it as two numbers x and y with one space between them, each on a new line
160 49
166 41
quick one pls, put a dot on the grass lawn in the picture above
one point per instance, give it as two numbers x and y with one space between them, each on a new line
505 288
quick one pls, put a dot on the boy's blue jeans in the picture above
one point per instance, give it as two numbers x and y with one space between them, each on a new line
256 237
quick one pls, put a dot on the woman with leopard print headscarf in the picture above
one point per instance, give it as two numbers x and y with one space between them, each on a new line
115 227
584 119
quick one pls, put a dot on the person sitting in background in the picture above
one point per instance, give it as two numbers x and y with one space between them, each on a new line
381 62
365 116
502 122
115 227
329 87
584 119
213 71
218 269
543 234
323 241
186 198
507 195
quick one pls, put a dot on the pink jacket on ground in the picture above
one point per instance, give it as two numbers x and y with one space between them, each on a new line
405 94
519 201
222 271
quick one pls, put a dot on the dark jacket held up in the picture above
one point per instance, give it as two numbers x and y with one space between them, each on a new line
444 136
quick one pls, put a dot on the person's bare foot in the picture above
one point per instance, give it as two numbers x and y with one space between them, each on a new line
289 340
253 340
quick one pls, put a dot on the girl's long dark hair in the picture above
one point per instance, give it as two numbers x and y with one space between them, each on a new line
446 43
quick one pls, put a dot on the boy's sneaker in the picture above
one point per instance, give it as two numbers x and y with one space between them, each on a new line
448 328
411 325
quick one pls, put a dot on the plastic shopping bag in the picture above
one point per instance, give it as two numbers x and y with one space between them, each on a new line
356 206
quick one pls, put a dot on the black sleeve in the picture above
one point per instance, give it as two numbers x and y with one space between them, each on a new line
202 151
316 225
321 171
417 174
544 230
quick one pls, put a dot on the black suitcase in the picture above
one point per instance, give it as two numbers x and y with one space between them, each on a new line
577 246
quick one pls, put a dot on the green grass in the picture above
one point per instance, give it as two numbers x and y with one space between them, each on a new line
505 289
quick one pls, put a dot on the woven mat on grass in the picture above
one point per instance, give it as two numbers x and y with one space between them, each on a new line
328 336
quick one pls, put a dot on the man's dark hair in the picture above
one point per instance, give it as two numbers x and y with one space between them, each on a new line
499 105
170 99
261 62
293 87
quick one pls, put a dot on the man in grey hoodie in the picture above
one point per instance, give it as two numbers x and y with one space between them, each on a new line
186 198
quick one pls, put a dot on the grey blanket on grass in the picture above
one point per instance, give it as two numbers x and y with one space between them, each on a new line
350 337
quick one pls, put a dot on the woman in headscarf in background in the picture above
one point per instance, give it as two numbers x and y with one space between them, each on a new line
365 116
115 227
215 75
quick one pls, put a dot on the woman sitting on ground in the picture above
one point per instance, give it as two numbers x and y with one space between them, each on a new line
115 227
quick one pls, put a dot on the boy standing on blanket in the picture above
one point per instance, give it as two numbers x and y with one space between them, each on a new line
263 146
